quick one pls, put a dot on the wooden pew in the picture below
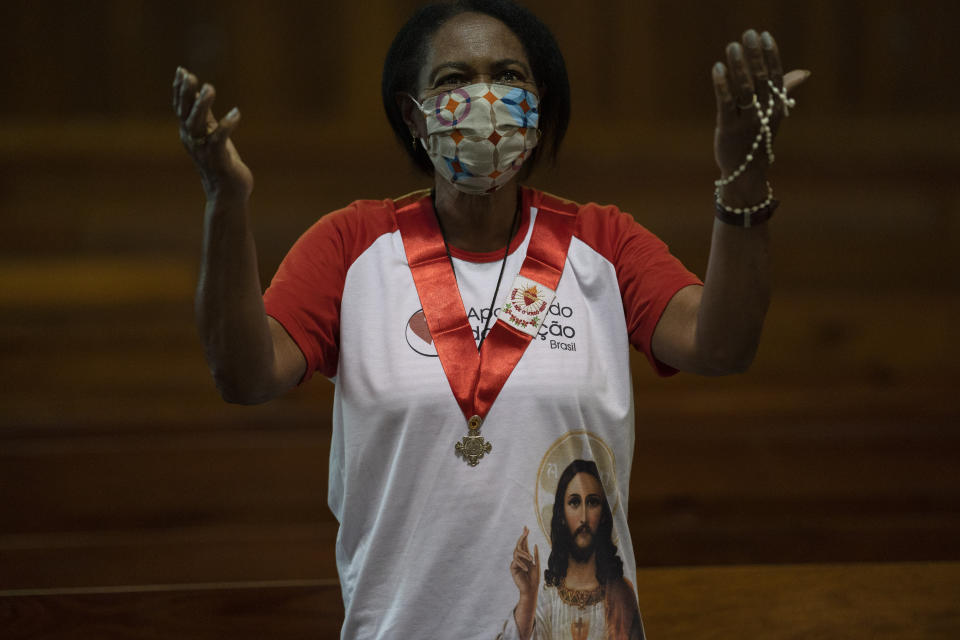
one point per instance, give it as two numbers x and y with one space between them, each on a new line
902 601
238 610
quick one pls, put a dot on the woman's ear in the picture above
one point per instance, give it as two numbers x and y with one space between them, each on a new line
412 116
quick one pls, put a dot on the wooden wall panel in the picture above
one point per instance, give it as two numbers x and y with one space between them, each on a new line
323 59
120 465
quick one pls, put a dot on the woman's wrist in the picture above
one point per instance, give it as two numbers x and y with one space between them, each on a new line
222 199
744 206
743 192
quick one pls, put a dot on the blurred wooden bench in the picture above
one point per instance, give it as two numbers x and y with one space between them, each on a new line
901 601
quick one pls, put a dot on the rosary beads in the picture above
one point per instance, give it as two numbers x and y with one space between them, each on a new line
765 134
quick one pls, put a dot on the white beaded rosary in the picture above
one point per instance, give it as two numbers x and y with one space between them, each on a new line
764 134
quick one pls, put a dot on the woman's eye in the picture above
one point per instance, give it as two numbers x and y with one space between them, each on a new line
450 79
510 76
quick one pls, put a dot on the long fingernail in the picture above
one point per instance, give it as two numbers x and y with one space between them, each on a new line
735 51
718 69
235 112
766 40
750 37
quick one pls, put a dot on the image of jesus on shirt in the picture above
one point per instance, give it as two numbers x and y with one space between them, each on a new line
585 596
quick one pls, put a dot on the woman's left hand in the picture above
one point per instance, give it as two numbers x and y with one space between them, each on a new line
749 66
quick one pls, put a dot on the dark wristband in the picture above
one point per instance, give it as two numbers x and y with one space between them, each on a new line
746 219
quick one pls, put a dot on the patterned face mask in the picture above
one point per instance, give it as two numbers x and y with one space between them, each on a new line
479 135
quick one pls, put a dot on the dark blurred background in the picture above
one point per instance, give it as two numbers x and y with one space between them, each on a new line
119 463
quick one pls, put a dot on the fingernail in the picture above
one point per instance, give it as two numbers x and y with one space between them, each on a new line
718 69
766 40
735 51
750 37
233 113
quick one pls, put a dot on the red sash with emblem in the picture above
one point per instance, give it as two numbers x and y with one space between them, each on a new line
476 377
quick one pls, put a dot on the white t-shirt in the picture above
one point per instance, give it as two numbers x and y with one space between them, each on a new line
425 541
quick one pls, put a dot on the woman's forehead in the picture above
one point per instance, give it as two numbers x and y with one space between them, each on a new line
475 39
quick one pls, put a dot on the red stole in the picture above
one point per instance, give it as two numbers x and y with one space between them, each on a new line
476 378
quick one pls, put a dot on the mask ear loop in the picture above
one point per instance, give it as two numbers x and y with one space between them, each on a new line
415 101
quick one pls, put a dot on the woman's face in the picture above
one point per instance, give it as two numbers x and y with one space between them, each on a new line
472 48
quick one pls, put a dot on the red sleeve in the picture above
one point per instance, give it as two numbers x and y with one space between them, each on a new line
304 295
648 275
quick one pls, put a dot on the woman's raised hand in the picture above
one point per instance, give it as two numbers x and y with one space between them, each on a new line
223 173
751 63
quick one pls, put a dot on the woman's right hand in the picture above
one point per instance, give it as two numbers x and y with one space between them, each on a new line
223 173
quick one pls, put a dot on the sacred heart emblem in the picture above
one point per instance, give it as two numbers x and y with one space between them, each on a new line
580 629
531 295
527 305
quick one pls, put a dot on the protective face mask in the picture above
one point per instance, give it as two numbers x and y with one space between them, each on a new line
479 135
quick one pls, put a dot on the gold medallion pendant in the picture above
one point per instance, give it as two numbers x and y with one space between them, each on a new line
473 447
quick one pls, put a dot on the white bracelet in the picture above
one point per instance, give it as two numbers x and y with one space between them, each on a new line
744 210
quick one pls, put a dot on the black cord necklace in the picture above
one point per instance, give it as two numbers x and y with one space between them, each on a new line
503 263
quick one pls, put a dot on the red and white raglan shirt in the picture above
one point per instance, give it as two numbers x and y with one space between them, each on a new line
426 540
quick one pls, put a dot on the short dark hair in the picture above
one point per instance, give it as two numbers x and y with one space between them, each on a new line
609 564
408 52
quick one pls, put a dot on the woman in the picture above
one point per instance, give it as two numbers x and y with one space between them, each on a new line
533 350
